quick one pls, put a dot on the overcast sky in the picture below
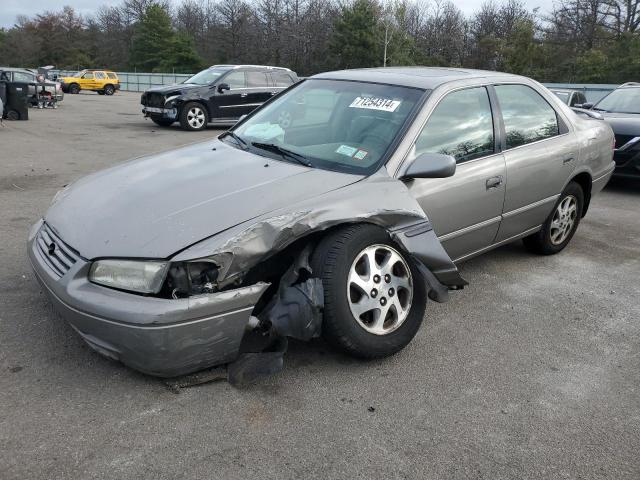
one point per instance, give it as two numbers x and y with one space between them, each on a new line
9 9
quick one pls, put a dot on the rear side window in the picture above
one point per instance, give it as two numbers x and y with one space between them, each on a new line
461 125
257 80
22 77
112 75
527 116
235 80
281 79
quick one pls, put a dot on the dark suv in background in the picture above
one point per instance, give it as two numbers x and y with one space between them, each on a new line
621 109
220 95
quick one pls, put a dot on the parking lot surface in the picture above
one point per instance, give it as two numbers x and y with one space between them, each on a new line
531 372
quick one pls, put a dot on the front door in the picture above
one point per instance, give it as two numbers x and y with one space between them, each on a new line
465 209
230 103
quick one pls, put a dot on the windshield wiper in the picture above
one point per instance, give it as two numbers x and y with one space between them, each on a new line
238 139
272 147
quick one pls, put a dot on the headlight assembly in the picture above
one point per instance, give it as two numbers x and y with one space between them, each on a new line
140 276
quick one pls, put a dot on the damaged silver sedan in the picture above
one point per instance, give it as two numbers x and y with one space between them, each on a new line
336 209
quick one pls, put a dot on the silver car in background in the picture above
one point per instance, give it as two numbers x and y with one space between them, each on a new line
335 209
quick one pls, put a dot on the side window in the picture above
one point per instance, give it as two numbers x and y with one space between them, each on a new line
100 75
527 116
88 76
235 80
112 76
461 125
22 77
257 80
281 79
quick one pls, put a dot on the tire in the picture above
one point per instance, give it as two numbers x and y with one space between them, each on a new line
561 225
194 116
13 115
74 89
163 122
342 253
100 92
109 90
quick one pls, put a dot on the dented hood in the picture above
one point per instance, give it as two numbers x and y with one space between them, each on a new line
155 206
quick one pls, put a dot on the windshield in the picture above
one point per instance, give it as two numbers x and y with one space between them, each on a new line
78 74
336 125
207 76
564 96
622 100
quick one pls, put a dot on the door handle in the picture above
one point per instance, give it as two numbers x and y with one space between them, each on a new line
494 182
273 93
243 95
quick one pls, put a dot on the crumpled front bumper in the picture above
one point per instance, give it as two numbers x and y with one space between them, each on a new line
157 336
168 113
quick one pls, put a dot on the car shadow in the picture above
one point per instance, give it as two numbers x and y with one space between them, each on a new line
624 185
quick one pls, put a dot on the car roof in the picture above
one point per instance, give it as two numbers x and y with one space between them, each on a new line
265 67
16 69
565 90
417 77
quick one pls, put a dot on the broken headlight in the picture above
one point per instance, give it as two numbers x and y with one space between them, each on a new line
140 276
191 278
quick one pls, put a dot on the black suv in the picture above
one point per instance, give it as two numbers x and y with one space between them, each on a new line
220 95
621 110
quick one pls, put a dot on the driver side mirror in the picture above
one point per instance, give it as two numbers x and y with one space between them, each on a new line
430 165
586 106
222 87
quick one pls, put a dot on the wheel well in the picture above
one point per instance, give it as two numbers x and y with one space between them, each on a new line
108 85
199 102
584 180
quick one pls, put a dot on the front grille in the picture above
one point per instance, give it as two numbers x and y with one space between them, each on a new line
54 253
154 100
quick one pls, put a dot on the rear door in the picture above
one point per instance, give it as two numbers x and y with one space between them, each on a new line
258 89
540 154
100 80
465 209
230 103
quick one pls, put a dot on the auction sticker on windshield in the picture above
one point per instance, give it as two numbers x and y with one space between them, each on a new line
374 103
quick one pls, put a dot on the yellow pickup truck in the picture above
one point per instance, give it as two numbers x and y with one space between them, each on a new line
105 82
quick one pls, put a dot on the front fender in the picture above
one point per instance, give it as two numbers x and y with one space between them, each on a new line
378 199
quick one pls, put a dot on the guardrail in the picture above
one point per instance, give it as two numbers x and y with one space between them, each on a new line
140 81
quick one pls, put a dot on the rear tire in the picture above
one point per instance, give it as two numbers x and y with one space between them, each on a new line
163 122
337 260
74 89
109 90
194 117
561 225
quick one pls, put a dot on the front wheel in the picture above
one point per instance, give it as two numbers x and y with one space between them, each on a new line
562 223
193 116
374 296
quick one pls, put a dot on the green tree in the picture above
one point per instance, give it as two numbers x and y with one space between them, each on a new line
181 56
357 40
152 39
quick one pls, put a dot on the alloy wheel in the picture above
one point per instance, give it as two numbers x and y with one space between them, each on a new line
196 117
564 218
379 289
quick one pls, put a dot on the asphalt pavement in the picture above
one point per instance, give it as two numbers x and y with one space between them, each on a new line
530 372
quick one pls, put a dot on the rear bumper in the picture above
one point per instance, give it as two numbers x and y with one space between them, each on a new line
156 336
